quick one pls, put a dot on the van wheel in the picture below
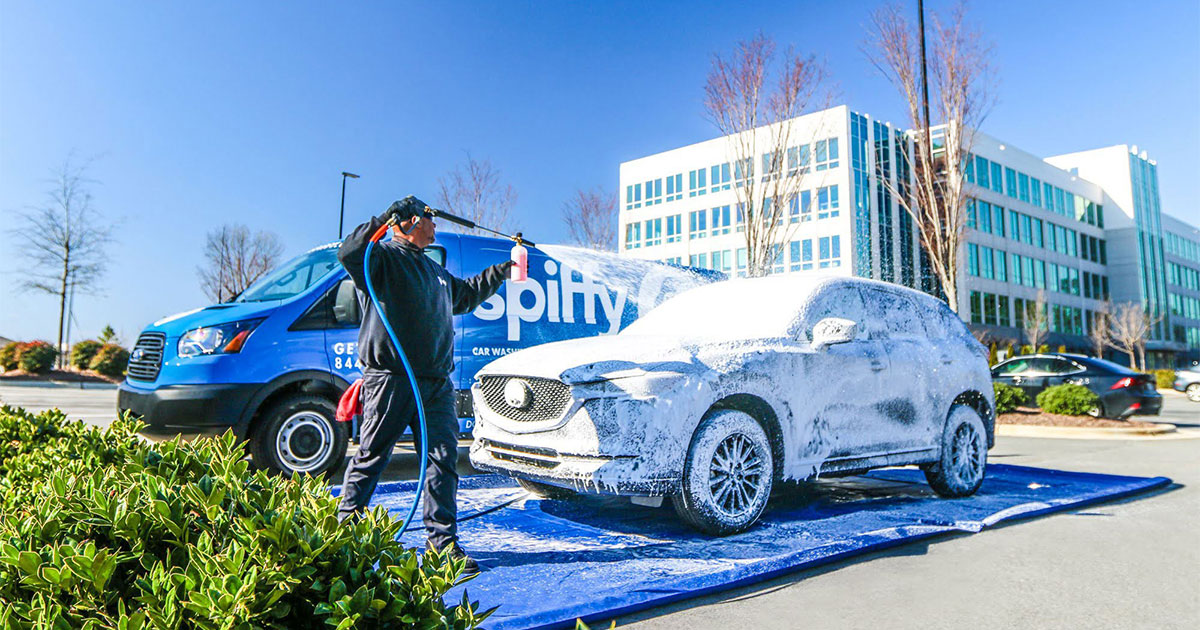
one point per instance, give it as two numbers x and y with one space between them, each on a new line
545 490
727 475
300 435
959 470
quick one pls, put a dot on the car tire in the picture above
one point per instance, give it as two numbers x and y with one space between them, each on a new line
727 476
960 468
544 490
1097 411
1193 392
300 435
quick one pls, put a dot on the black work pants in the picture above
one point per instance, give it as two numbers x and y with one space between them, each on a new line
388 409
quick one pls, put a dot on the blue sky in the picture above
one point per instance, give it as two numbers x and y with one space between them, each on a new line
200 114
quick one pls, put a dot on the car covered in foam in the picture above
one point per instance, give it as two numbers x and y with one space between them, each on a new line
724 390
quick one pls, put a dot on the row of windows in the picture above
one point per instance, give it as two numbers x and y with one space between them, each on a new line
717 221
798 256
1183 247
989 218
1181 276
1189 335
1002 179
992 264
991 309
1184 306
820 155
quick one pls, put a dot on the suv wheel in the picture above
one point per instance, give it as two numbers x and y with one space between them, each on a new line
959 471
300 435
727 476
1193 392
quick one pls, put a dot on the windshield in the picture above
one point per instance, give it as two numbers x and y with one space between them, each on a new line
733 309
293 277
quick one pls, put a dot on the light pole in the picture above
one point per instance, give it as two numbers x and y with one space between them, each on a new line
342 213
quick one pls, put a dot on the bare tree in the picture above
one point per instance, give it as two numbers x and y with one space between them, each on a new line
1129 328
475 191
1037 321
1101 331
234 259
961 86
753 101
591 218
64 242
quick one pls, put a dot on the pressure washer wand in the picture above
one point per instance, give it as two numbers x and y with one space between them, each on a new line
467 223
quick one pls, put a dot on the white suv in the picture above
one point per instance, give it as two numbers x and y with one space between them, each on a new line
722 390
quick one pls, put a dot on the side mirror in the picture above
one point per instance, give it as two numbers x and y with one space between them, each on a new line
833 330
345 304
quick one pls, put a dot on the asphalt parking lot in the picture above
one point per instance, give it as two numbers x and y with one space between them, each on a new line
1133 563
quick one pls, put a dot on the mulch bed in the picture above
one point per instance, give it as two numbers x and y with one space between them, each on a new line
1029 415
60 376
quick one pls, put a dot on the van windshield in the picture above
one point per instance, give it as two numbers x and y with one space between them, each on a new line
293 277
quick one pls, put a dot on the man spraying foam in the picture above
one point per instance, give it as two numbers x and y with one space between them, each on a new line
419 298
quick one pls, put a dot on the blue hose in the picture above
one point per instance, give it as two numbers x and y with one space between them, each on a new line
412 379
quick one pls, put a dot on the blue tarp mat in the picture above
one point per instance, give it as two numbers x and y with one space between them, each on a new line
547 562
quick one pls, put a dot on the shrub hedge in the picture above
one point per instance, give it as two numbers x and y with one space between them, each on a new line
110 360
1069 400
100 530
1008 398
10 356
1164 379
82 353
37 356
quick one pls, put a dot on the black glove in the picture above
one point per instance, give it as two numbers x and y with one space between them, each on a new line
404 209
506 265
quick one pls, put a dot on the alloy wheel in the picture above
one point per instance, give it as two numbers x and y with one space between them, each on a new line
736 475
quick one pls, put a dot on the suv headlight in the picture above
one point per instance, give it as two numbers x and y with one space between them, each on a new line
220 339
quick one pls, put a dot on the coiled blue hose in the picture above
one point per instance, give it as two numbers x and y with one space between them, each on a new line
412 379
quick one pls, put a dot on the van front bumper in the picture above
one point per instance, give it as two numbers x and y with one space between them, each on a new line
188 410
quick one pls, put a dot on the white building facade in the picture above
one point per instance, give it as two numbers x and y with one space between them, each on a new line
1036 227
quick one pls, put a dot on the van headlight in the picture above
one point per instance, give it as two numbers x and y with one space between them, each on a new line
220 339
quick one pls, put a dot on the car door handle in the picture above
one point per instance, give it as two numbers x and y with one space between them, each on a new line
947 359
877 365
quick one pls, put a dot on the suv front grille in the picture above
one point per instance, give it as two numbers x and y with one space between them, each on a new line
147 355
548 400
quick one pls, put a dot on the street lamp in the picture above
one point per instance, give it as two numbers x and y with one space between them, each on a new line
342 214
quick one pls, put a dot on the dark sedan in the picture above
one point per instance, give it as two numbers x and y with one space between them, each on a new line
1122 391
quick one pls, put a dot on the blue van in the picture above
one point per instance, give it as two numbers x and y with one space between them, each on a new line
272 363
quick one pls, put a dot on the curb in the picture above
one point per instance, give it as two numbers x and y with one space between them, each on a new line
59 384
1034 430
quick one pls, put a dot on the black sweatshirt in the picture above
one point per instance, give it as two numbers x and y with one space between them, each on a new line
419 297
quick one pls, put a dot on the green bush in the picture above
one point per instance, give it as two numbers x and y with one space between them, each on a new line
37 357
1069 400
10 356
1008 398
1026 349
82 353
1164 379
992 357
101 530
110 360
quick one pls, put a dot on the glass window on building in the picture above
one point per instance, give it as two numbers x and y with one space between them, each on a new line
675 187
981 172
1035 191
989 309
827 202
1002 310
985 263
674 228
698 260
697 224
997 220
654 191
1026 229
1039 274
1010 182
1037 232
1000 260
653 232
1048 196
972 259
722 260
719 177
1060 205
741 262
826 154
696 184
1014 227
721 220
633 235
1023 187
1018 312
997 177
972 221
742 169
976 308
